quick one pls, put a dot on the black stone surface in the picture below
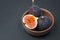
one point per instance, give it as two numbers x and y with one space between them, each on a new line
11 12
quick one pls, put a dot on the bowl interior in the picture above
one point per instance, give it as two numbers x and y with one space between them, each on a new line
45 13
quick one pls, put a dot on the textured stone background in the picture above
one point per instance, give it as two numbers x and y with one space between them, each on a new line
11 12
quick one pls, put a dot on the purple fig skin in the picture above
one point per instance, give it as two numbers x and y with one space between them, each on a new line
35 10
43 23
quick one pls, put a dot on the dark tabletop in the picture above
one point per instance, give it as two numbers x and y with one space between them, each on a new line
11 12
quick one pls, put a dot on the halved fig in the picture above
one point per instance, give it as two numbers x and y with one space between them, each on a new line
30 21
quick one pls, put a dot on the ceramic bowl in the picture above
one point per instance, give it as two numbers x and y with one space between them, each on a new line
45 12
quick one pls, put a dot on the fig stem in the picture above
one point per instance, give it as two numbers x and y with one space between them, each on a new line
32 2
36 17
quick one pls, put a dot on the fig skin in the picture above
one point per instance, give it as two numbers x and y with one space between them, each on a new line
43 23
35 10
